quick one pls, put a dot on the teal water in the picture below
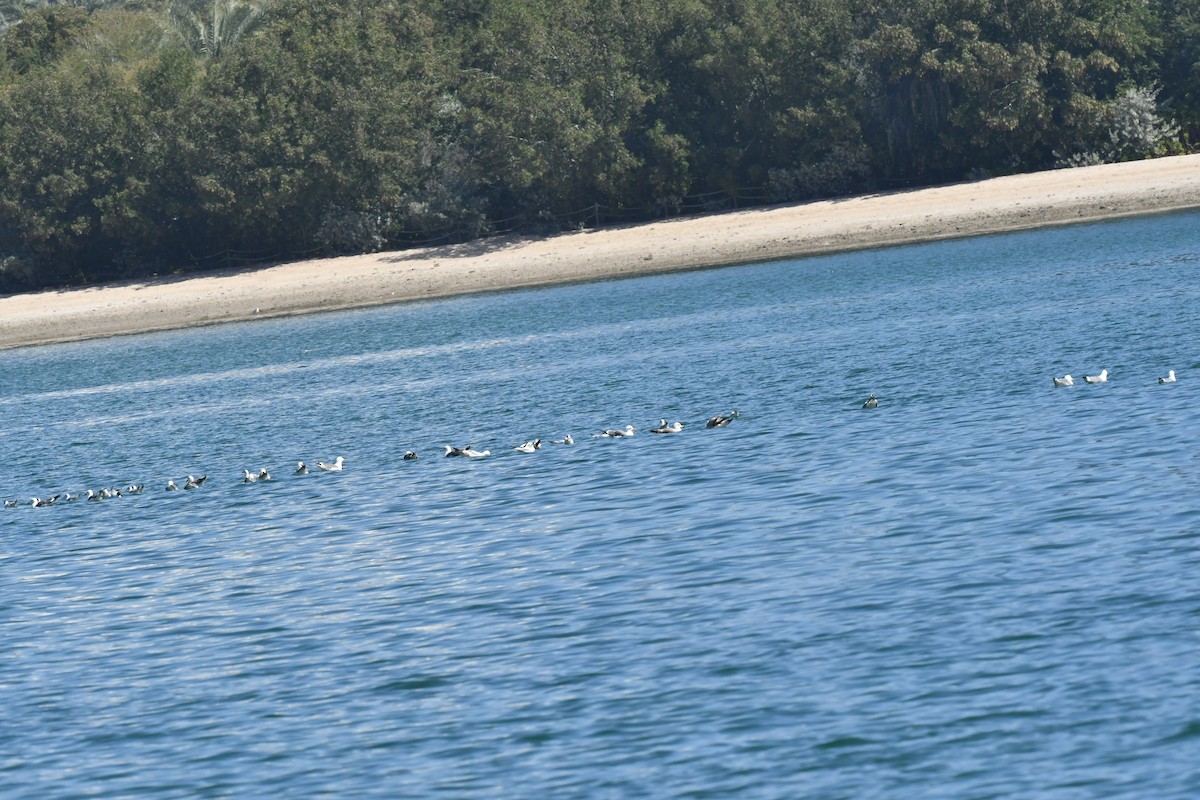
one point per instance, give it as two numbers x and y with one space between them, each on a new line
985 587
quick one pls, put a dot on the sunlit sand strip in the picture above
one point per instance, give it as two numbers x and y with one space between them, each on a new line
968 209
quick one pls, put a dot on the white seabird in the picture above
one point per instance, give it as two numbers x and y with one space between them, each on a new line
568 439
336 466
10 503
1101 378
1065 380
665 427
531 446
615 433
194 483
1170 377
301 469
171 487
872 402
248 476
465 452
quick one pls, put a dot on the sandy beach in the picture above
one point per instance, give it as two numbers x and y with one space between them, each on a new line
878 220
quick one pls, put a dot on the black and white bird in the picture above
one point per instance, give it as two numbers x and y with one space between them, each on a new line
1170 377
721 420
665 427
193 482
301 469
409 455
171 487
872 402
568 439
1101 378
465 452
616 433
531 446
336 466
1065 380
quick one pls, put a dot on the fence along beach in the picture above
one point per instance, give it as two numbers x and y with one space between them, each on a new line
1016 202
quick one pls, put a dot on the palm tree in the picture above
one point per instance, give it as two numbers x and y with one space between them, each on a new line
210 28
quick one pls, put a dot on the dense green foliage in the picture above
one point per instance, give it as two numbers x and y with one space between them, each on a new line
148 135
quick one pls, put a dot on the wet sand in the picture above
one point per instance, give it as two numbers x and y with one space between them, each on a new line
1001 204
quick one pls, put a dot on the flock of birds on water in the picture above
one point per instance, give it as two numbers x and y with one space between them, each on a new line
192 482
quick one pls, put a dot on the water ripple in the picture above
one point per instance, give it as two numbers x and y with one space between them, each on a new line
984 582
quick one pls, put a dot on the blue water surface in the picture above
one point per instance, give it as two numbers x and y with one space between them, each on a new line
985 587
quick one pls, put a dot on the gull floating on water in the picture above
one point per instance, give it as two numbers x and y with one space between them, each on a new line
531 446
872 402
336 466
194 483
10 503
171 487
721 420
1065 380
1101 378
409 455
301 469
1170 377
135 488
615 433
568 439
664 427
465 452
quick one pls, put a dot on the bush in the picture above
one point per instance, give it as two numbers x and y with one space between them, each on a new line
1130 129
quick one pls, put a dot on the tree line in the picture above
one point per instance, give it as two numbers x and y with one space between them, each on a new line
143 136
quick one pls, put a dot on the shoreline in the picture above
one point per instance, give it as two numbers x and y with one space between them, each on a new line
996 205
